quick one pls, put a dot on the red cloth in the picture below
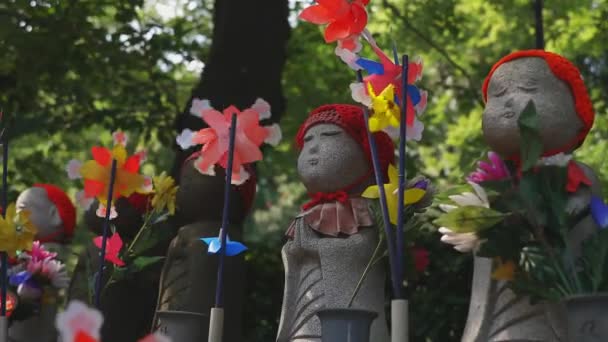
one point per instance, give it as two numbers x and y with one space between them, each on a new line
576 177
566 71
322 197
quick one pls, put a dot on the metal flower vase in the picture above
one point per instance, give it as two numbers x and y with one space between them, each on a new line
346 325
587 318
182 326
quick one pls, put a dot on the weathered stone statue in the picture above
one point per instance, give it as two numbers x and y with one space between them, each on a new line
332 239
566 115
54 215
188 281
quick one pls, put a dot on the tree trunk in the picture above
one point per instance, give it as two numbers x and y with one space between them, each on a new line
245 63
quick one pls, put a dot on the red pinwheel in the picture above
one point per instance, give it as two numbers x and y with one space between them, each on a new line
345 19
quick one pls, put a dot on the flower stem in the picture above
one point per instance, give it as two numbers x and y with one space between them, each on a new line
366 271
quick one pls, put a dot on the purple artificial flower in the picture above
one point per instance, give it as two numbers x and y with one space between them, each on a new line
493 170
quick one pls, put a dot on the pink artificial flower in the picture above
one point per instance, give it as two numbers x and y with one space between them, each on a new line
79 321
493 170
39 253
215 139
113 247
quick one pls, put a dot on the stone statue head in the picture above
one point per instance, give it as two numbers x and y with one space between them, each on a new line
51 211
555 87
334 150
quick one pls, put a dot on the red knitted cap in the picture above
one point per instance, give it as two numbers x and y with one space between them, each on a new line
350 119
65 207
566 71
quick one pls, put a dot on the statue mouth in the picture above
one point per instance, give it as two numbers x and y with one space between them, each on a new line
313 161
508 115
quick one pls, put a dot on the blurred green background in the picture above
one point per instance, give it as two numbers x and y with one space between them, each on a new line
72 71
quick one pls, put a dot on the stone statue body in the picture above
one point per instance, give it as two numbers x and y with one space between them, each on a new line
321 270
495 312
188 279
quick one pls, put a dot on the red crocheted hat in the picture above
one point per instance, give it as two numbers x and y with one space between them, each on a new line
65 207
566 71
350 119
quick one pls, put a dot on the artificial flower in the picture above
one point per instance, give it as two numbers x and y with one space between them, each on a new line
141 202
38 253
347 56
423 183
16 231
113 246
81 336
51 269
232 247
249 136
385 73
101 212
421 259
165 191
384 110
345 19
78 318
411 196
73 169
464 242
493 170
83 201
120 138
96 173
504 270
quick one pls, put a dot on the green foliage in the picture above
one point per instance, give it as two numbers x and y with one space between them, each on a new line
468 219
531 142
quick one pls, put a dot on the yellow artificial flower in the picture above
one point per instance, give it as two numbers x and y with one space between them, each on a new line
385 111
96 173
16 231
504 270
391 189
164 193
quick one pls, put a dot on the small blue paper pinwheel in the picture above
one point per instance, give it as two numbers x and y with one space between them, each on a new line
599 211
232 247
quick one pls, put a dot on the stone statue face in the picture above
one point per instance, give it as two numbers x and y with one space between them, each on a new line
330 159
512 85
43 213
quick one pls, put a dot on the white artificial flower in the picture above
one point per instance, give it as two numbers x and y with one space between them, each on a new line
199 106
101 212
274 135
83 201
209 172
263 108
147 186
348 57
120 138
464 242
143 155
358 93
78 317
184 140
73 169
560 159
243 177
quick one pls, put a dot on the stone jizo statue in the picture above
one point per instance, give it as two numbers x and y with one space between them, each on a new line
331 241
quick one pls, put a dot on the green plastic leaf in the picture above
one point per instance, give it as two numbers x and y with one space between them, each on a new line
531 142
150 237
469 219
143 262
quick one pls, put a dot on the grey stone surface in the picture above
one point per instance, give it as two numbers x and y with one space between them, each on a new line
495 312
43 213
321 272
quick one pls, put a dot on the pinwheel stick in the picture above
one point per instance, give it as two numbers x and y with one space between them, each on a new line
225 213
383 205
104 239
402 172
3 255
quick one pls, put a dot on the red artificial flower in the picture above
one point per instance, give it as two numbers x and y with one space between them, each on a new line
141 202
81 336
421 259
345 18
113 246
